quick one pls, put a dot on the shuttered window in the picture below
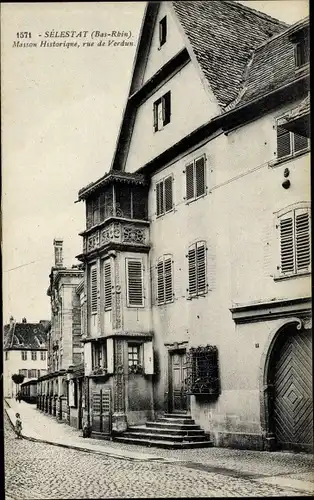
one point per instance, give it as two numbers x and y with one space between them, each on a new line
107 286
93 289
295 242
289 143
197 269
195 178
135 291
164 280
162 111
164 197
162 31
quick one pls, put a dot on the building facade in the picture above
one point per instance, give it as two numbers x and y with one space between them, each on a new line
24 351
198 302
59 393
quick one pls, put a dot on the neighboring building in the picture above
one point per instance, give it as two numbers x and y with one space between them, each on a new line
60 391
197 242
25 352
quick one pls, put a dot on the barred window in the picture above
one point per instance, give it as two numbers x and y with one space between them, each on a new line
135 289
195 178
289 143
164 196
295 241
165 279
197 269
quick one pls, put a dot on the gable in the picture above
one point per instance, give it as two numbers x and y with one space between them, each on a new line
158 54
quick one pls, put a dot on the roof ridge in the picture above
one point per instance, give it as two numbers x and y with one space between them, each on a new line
257 13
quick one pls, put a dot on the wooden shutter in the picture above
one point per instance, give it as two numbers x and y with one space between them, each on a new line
287 244
107 286
300 142
135 282
110 358
160 198
168 193
89 214
200 176
168 279
166 108
192 271
155 114
302 240
189 176
93 289
148 358
160 282
201 267
283 142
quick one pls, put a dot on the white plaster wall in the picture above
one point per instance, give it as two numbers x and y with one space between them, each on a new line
191 107
15 363
158 56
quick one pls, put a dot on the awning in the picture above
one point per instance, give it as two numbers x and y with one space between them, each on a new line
298 120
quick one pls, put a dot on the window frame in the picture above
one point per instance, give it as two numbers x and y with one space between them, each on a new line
139 347
34 355
163 259
195 196
165 101
6 355
162 31
284 213
198 293
162 182
99 348
134 259
43 356
24 355
301 51
293 153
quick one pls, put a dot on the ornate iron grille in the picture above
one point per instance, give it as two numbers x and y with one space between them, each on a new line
203 371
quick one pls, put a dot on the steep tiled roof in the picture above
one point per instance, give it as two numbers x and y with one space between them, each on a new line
301 110
272 65
223 36
26 335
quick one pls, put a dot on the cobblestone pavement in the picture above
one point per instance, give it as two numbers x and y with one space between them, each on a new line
36 470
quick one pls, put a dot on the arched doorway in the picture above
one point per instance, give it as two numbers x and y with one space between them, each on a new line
290 387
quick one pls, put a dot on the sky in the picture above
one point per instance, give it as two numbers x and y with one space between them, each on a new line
61 112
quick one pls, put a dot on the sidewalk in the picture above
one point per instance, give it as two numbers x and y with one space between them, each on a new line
292 470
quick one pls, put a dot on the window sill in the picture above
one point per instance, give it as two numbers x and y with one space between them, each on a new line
191 200
197 296
160 304
131 306
291 276
279 161
165 213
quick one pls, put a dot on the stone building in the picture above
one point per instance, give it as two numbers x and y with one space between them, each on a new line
25 352
60 391
197 240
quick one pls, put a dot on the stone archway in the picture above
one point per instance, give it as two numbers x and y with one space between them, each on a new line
286 400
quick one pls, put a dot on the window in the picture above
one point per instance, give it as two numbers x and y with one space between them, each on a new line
195 178
99 357
34 355
289 143
164 202
24 355
38 373
32 374
107 285
164 280
197 269
23 372
6 355
301 52
134 354
135 292
163 31
162 111
93 289
295 241
42 355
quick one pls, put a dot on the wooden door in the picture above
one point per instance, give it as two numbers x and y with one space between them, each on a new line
101 411
179 401
293 404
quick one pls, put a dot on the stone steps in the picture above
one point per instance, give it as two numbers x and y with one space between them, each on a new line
171 431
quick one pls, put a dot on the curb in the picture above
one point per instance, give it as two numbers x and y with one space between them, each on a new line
81 448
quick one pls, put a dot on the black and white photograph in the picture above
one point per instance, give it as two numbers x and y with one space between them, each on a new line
156 249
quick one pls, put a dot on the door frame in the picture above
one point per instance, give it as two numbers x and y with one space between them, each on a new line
172 349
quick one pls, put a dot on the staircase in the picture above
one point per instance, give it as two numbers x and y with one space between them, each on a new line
174 431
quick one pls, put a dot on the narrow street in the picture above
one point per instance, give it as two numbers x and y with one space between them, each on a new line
35 470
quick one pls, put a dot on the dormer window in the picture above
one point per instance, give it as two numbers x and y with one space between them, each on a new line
301 53
163 31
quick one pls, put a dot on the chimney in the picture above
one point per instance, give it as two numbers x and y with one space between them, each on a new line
58 244
24 320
